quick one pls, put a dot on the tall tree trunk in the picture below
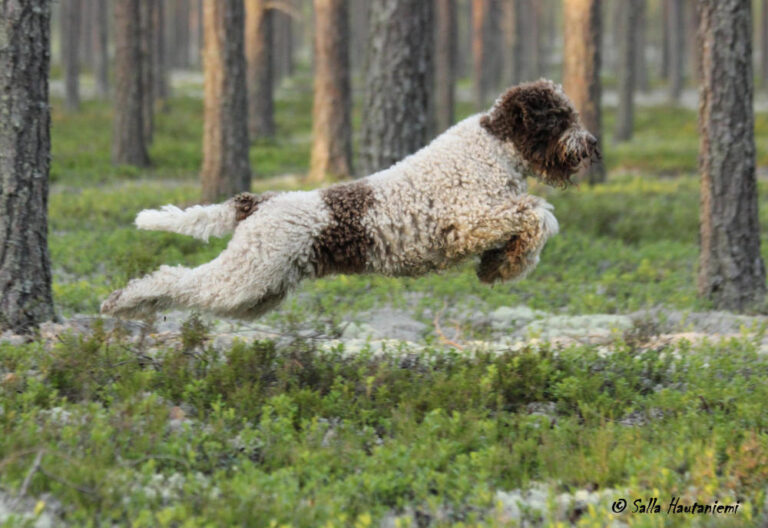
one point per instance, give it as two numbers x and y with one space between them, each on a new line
530 33
397 85
513 20
626 65
25 145
160 74
581 69
101 48
691 22
641 62
445 62
359 11
86 28
731 271
258 53
332 107
676 23
128 143
71 11
195 31
146 21
486 46
226 168
665 39
282 44
764 43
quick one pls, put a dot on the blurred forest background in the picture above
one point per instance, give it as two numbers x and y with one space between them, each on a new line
617 367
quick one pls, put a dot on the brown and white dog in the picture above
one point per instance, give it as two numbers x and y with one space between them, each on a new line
462 195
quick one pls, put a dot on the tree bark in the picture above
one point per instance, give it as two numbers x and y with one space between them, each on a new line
71 11
398 82
181 37
731 271
665 40
195 31
676 34
359 11
128 143
101 48
629 11
581 70
146 22
530 33
160 74
641 62
445 63
226 167
25 145
764 43
258 52
486 46
332 107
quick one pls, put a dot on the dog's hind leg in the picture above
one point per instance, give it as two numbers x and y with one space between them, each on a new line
519 255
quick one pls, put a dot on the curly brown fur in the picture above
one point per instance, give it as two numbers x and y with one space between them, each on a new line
248 203
534 116
342 246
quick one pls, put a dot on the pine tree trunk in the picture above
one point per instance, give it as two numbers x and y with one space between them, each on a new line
691 22
676 49
195 31
128 143
100 39
445 63
581 69
181 38
359 11
146 21
626 69
332 107
641 62
226 168
258 53
397 85
160 74
731 271
531 40
764 43
25 145
282 43
86 28
665 40
70 51
486 50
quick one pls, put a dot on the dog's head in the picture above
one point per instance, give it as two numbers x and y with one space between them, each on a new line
539 119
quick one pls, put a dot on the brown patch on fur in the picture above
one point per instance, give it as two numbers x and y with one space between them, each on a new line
534 117
505 262
247 203
342 247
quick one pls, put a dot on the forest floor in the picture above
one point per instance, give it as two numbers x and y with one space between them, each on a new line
372 401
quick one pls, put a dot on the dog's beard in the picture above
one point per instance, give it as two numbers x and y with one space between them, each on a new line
574 152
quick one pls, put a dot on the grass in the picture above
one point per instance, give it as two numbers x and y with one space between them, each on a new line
299 432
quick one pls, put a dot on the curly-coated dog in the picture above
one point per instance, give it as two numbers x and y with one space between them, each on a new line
464 194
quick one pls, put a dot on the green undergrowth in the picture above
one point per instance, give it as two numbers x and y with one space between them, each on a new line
266 435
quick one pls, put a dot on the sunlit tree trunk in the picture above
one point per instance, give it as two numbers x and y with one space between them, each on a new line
25 268
731 270
398 81
226 168
71 18
445 62
332 106
581 69
258 53
128 143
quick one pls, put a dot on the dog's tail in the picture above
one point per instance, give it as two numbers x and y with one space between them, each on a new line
203 221
199 221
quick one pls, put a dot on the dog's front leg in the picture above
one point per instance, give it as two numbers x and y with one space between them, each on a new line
533 223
